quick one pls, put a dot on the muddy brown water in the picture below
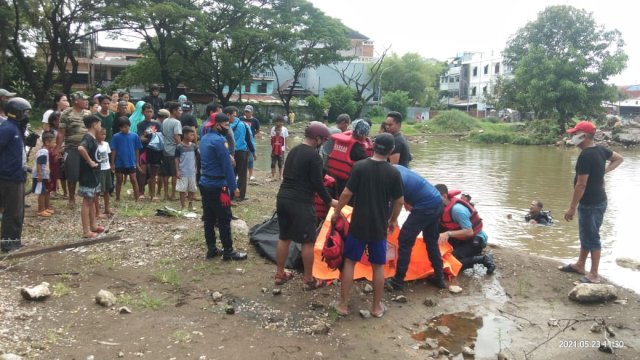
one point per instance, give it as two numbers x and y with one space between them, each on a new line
503 179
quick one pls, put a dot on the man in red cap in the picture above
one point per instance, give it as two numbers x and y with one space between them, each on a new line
589 197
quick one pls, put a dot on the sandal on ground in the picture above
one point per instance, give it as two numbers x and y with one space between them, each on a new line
586 280
314 284
44 213
102 216
341 313
141 197
99 229
50 210
90 235
281 279
568 268
381 314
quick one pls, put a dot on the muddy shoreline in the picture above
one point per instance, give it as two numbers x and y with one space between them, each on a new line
159 272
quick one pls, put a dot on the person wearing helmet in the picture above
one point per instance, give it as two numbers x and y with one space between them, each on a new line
155 100
302 178
12 175
348 148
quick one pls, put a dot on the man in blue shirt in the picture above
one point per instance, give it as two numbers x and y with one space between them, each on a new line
12 172
216 181
243 149
424 202
463 230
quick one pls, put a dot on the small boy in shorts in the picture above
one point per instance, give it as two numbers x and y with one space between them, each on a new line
186 166
125 155
89 177
41 173
102 158
279 135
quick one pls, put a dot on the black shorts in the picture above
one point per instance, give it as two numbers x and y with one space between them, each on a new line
276 159
126 171
168 167
296 220
154 158
72 164
34 184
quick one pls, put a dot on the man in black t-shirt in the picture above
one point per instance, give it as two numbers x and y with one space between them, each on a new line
89 178
302 178
376 187
589 197
401 154
187 118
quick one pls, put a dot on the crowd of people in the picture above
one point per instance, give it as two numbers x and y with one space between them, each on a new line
83 147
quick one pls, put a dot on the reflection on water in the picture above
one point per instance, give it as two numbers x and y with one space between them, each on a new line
503 179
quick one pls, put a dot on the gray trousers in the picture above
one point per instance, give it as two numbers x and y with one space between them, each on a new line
12 194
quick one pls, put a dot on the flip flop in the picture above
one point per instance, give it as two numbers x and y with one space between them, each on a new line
384 310
314 285
568 269
585 280
99 229
340 313
91 235
281 279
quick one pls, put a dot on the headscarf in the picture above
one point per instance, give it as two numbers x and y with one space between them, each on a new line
137 116
360 128
182 98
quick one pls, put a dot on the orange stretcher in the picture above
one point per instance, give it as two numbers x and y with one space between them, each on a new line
419 265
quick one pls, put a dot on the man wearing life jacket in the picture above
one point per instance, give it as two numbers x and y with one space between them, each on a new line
342 124
425 205
536 215
462 227
349 147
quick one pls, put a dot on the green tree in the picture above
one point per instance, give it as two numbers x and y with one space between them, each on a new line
317 106
342 100
412 73
561 63
307 38
397 101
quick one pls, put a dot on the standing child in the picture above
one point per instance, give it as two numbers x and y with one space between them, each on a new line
125 154
102 158
41 175
89 177
279 135
54 157
186 166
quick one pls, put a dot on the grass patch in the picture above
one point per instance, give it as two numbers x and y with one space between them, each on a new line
452 121
102 259
181 336
142 300
60 289
130 208
52 336
169 276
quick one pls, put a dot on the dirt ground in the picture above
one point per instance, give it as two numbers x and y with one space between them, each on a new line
158 271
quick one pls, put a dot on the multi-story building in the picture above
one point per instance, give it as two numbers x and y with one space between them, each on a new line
471 78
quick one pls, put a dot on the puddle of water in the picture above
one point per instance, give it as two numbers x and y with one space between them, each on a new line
489 333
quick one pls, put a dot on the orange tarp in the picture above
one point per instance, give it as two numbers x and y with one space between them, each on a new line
419 265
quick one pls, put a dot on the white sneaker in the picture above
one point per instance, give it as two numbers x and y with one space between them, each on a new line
252 178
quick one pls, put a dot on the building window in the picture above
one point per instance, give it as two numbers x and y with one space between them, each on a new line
451 79
496 69
303 75
247 88
486 69
262 88
484 90
457 78
475 71
473 91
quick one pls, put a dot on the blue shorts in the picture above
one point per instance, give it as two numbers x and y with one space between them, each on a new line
589 222
250 161
376 250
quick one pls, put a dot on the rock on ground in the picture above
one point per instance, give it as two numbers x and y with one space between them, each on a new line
239 227
105 298
590 293
455 289
38 292
10 357
628 263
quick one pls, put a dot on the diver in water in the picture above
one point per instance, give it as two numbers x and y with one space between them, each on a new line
537 216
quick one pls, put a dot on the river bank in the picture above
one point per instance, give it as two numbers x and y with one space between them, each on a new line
158 271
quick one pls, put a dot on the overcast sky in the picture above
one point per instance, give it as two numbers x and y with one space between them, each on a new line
440 29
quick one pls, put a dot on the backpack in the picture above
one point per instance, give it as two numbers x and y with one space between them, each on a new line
334 244
157 142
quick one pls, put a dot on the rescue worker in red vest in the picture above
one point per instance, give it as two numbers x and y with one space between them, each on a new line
348 148
461 226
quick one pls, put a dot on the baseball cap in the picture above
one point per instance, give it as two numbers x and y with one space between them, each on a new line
79 95
4 92
248 108
584 126
383 143
164 113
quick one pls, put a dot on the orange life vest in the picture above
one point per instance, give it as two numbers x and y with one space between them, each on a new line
318 203
447 220
339 163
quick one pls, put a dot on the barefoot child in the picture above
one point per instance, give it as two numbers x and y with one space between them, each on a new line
125 155
279 134
102 157
89 178
186 166
41 174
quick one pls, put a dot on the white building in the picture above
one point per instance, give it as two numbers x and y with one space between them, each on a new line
471 78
